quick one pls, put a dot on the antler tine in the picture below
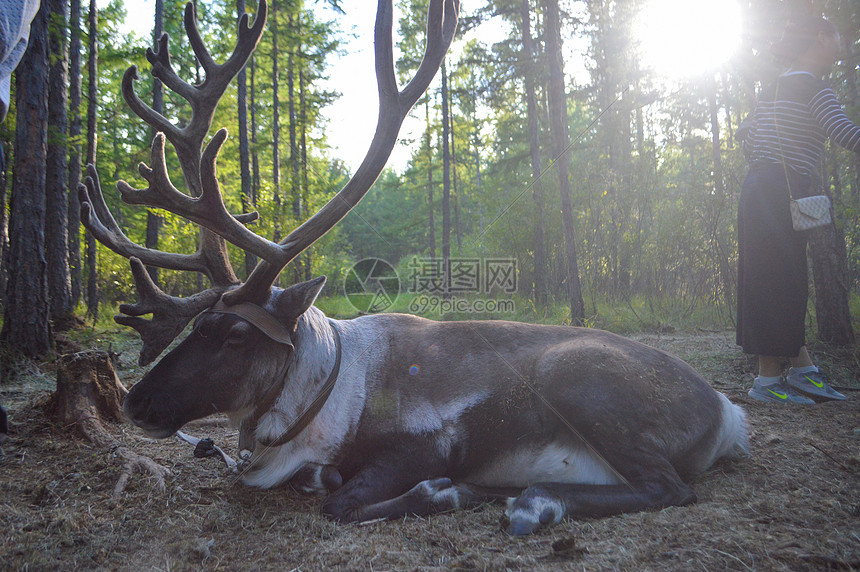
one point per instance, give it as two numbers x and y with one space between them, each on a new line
196 41
97 218
170 315
159 57
141 109
207 210
394 105
219 76
203 98
441 26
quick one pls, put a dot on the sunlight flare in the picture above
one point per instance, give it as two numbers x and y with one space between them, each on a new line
683 38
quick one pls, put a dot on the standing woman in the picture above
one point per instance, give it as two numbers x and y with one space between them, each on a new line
785 142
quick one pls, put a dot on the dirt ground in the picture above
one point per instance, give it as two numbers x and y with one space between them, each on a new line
794 504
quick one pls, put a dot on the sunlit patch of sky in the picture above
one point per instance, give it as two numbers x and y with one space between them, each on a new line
678 38
351 120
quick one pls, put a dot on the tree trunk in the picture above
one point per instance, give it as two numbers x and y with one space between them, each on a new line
540 293
558 126
153 221
446 184
4 218
92 141
74 207
244 151
458 230
255 157
303 143
276 123
295 189
830 277
431 225
720 253
56 202
295 172
479 190
26 327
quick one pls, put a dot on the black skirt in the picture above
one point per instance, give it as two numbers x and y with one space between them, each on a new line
773 286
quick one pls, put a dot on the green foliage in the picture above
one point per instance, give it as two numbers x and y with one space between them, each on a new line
654 216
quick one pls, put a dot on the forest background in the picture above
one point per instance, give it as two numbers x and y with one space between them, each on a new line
647 242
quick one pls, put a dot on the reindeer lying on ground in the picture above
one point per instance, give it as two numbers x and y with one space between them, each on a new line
393 414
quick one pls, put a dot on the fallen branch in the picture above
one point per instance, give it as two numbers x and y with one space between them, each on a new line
206 448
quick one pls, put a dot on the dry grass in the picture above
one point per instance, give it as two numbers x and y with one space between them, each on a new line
793 505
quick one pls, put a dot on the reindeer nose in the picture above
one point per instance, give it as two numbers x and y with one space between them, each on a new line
135 406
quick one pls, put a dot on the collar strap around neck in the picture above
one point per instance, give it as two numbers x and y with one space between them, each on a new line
259 317
311 411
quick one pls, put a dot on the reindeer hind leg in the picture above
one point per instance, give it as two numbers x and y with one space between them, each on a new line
543 504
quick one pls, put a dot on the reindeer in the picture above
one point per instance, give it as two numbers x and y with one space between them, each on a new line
392 414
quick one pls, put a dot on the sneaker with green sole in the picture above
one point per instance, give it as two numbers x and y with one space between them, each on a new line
779 392
813 383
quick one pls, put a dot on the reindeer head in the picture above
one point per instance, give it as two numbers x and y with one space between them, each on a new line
232 357
212 369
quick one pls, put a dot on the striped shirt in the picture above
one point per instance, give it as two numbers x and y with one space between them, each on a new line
794 117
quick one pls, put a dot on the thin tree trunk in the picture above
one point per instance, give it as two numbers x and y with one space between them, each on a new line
92 141
720 192
431 225
197 77
276 123
74 208
478 187
446 184
4 218
295 174
540 292
291 101
303 142
255 157
26 326
153 221
730 132
458 230
56 223
558 125
830 276
244 151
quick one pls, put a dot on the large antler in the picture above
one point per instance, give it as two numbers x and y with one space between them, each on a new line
394 105
171 314
205 205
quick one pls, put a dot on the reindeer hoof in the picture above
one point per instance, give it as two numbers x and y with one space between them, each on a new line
533 509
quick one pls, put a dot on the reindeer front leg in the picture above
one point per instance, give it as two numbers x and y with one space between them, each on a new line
386 488
314 478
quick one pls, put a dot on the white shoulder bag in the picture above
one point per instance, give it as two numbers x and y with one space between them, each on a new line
810 212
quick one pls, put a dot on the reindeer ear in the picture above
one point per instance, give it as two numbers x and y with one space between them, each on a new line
295 300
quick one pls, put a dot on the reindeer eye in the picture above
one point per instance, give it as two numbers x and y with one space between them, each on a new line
238 333
203 329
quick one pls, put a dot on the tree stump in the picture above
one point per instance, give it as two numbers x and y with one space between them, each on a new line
88 394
